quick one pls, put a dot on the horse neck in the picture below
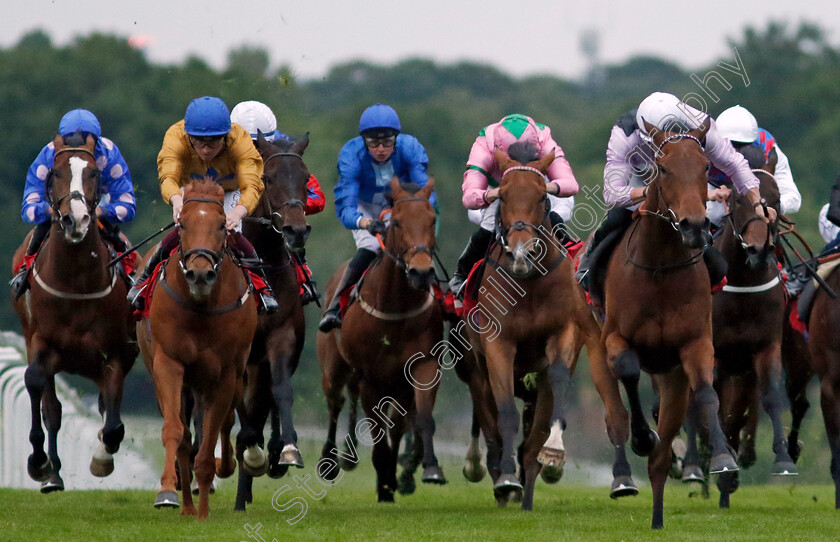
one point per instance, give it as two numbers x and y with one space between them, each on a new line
386 287
656 242
88 258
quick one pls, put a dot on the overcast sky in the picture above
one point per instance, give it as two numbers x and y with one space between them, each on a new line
520 37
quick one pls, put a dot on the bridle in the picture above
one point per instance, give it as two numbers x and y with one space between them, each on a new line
73 195
399 258
214 257
294 202
769 241
519 225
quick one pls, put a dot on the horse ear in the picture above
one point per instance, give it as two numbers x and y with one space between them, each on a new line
58 142
396 188
772 160
502 159
702 130
543 163
90 143
656 134
426 191
301 145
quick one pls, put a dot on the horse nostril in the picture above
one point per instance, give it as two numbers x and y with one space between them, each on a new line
210 277
190 276
85 221
66 221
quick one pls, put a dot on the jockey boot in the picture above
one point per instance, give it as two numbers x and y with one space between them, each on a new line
355 269
20 282
134 294
310 292
558 228
716 265
475 250
615 219
267 302
111 234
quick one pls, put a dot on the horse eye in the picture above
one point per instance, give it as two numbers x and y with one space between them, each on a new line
661 169
708 167
396 224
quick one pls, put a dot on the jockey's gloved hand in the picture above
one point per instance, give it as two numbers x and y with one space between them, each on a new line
377 227
234 217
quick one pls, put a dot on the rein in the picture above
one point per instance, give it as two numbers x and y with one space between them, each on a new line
213 311
659 268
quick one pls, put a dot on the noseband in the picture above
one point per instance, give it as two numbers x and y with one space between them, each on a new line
294 202
215 258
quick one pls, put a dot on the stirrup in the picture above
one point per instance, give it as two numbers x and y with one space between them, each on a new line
456 286
267 305
20 282
310 293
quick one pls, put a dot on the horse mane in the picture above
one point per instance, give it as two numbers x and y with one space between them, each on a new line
205 187
76 139
523 152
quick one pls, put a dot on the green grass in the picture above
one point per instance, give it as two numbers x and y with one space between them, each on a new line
458 511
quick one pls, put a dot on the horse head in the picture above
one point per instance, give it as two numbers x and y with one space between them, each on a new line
523 205
755 236
679 185
203 235
72 185
285 178
410 239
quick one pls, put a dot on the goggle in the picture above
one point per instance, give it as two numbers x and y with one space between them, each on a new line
387 142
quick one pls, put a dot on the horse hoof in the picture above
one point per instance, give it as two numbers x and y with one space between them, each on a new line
693 473
39 473
346 464
623 486
551 475
507 489
406 484
643 445
385 494
291 456
433 475
784 468
728 482
746 454
278 471
795 449
53 483
166 499
330 474
722 463
102 462
552 458
194 487
474 471
677 458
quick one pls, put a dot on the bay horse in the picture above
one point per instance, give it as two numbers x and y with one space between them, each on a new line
391 336
197 338
75 317
747 318
278 230
659 306
538 330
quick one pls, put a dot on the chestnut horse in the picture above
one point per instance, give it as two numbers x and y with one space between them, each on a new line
278 230
198 337
75 317
659 306
391 336
530 318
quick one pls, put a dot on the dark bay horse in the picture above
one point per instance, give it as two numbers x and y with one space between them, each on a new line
659 306
198 337
278 230
747 323
392 337
530 318
75 317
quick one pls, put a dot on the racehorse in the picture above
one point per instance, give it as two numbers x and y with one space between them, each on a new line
659 306
537 331
747 323
197 337
278 230
390 335
74 317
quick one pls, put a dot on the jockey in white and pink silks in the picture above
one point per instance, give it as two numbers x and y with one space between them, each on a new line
482 177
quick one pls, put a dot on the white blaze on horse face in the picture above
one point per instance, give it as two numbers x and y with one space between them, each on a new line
555 438
521 260
78 208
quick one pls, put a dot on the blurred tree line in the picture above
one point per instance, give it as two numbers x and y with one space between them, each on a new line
793 92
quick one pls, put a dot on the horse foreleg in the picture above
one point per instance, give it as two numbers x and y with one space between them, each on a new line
113 431
768 368
383 457
563 355
52 419
226 464
425 422
797 395
534 445
697 359
500 356
737 396
627 368
184 455
473 470
35 379
673 389
281 391
692 471
168 375
217 408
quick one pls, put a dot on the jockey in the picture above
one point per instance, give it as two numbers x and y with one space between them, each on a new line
116 205
206 144
366 165
257 117
630 160
740 127
482 178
